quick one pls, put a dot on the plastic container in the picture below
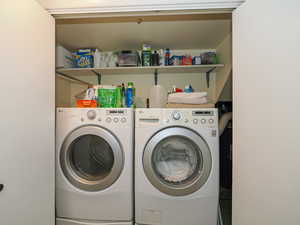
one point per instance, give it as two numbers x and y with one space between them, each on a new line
86 103
119 97
107 96
158 97
167 57
128 58
64 58
130 97
97 59
146 58
155 59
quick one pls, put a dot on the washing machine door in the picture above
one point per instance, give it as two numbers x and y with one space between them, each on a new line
91 158
177 161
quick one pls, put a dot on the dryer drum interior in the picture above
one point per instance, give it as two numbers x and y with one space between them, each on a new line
91 158
177 161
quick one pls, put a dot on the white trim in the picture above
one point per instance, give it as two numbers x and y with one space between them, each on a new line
150 7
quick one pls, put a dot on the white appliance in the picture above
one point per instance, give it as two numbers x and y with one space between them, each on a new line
176 166
94 166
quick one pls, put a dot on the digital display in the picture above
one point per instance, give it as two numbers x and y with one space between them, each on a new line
203 113
116 112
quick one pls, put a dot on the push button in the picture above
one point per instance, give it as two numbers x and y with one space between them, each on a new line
203 121
108 120
116 119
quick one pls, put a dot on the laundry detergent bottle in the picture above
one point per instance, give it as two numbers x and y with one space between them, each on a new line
130 95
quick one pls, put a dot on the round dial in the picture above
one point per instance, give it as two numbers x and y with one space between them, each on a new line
91 114
176 115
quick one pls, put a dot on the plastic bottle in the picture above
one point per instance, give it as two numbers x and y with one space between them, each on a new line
167 57
146 58
119 97
130 95
155 59
158 97
97 59
123 95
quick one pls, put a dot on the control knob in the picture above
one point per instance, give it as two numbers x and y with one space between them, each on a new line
91 114
176 115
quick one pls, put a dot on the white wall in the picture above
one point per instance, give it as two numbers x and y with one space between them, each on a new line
223 79
266 79
27 124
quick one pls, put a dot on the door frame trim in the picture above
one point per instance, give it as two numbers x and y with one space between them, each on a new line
149 7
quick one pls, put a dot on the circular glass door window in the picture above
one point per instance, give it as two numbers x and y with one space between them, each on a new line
176 160
91 157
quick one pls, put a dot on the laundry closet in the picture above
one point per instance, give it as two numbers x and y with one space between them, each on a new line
256 74
184 32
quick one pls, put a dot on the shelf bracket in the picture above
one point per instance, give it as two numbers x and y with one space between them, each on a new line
208 76
98 76
155 77
73 78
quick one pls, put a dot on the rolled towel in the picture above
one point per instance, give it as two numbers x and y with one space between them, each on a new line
188 98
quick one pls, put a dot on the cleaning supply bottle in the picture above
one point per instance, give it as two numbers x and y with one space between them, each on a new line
158 97
155 59
130 96
167 57
118 97
123 95
188 89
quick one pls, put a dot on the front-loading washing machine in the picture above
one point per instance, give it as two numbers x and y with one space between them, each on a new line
176 166
94 171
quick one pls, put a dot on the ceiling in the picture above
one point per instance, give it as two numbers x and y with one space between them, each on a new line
200 34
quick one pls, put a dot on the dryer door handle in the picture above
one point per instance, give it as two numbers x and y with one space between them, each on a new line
1 187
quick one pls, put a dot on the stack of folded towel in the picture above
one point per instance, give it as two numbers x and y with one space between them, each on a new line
194 98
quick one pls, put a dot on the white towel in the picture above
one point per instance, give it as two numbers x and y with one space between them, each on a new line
188 98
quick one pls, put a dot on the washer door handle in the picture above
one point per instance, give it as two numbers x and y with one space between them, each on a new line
1 187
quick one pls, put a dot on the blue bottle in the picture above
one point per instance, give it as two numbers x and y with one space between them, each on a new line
130 96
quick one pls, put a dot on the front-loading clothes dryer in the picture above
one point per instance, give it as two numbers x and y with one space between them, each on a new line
176 166
94 171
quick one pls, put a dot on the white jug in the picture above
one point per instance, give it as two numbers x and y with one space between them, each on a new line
158 97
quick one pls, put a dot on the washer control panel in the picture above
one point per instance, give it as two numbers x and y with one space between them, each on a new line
116 116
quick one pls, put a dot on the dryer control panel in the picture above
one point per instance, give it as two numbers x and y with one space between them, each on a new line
183 117
202 117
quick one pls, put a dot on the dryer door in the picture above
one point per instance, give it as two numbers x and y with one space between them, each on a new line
177 161
91 158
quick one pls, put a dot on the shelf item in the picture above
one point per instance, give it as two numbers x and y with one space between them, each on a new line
75 72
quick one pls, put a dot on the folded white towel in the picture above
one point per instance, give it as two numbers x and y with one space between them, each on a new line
188 98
